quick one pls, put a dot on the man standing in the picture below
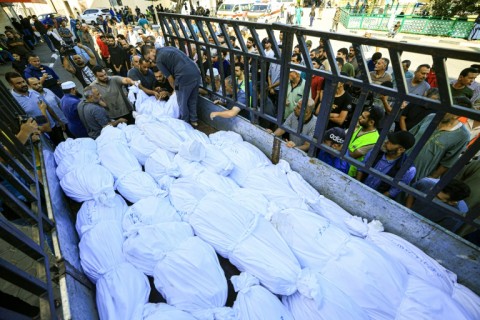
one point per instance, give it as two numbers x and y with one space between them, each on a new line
342 106
184 76
52 101
34 107
145 76
417 85
388 162
81 70
65 33
312 15
465 79
405 66
296 86
274 72
69 103
112 91
118 57
442 149
414 113
48 78
380 74
43 32
87 40
251 45
347 67
365 135
225 67
352 59
336 20
93 115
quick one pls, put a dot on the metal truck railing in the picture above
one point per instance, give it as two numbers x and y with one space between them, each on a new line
26 281
180 31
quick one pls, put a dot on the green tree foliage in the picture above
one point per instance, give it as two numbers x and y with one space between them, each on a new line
449 8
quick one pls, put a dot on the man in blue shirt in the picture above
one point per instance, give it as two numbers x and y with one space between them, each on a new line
34 106
69 103
52 101
183 75
48 78
453 194
388 161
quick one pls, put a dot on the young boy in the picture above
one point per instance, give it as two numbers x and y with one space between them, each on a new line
334 138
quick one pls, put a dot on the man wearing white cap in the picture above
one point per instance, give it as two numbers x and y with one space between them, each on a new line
69 103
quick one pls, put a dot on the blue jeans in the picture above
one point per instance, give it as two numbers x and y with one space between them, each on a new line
187 96
48 42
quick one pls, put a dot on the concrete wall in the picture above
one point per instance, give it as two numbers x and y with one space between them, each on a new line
448 249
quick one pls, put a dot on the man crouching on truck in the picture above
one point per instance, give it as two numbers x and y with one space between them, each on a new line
183 75
309 121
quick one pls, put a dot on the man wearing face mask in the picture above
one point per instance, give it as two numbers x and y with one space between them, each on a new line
68 104
388 161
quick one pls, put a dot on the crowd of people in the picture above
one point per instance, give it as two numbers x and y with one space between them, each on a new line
118 52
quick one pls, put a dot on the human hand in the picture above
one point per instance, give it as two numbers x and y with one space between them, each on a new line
290 144
29 127
42 105
44 76
216 102
269 131
163 94
213 115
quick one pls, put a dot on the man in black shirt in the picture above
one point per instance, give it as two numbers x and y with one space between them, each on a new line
341 108
16 45
414 113
161 83
146 77
79 68
118 57
40 27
